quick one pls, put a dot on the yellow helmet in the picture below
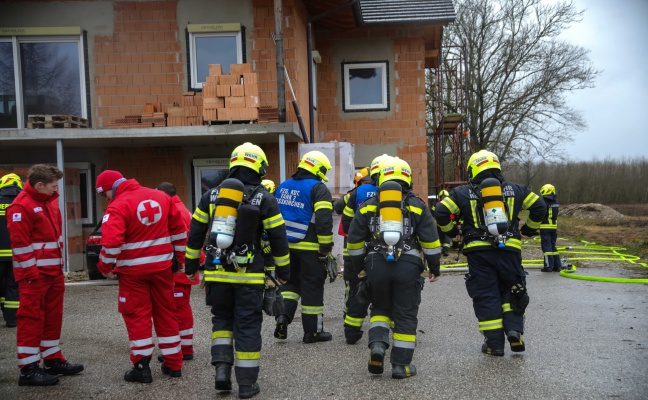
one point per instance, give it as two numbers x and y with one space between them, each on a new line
481 161
316 163
374 167
250 156
442 194
361 175
547 190
9 180
393 168
269 185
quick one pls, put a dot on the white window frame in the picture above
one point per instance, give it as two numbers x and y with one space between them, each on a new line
200 164
384 105
17 40
195 84
86 168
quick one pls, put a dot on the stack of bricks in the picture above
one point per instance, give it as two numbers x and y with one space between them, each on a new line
187 113
233 97
152 116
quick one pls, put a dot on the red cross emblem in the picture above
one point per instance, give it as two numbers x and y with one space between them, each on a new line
149 212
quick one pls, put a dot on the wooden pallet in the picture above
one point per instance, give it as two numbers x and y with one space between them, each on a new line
231 121
41 121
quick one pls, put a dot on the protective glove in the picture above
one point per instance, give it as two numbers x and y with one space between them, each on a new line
192 265
363 295
519 298
331 267
526 231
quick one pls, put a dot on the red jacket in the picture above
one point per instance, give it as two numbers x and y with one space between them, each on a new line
141 230
34 222
181 277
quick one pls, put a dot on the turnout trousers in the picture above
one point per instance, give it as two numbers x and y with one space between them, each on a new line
146 296
8 292
40 318
307 278
491 274
184 315
237 315
354 312
395 291
548 239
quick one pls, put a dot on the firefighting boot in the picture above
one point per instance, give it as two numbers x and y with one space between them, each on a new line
141 372
492 352
33 375
403 371
248 391
516 341
223 376
352 335
377 357
61 367
281 330
171 372
557 264
317 337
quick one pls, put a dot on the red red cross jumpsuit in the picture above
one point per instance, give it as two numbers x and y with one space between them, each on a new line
34 223
141 232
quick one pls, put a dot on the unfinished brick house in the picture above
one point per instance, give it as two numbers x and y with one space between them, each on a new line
105 60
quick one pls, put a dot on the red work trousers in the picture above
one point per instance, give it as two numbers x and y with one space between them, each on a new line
184 315
142 297
40 318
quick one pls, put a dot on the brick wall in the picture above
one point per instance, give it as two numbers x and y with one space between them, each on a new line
139 63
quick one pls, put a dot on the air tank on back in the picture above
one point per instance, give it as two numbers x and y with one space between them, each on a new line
390 197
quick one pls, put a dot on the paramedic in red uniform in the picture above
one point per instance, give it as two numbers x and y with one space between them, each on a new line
141 232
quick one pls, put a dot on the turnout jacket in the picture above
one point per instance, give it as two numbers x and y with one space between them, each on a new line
318 225
466 205
7 196
419 232
550 219
355 198
35 226
141 231
270 221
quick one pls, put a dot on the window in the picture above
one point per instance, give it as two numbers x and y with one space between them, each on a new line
365 86
317 58
41 74
86 192
208 173
213 44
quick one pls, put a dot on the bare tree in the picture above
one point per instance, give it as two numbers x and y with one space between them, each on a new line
518 74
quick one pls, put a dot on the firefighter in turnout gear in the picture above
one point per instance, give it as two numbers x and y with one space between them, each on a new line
305 204
387 236
548 230
495 281
446 241
268 259
142 231
35 228
234 275
10 187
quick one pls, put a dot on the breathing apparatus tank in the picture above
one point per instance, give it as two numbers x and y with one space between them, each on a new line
391 216
494 211
223 227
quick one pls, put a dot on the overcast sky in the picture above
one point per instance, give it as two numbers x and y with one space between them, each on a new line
616 110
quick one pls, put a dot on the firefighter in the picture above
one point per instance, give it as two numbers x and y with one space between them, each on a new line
356 311
141 233
446 241
10 187
35 229
548 230
394 267
305 204
495 280
235 285
268 260
181 284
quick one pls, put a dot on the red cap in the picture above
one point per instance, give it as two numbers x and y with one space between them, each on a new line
106 179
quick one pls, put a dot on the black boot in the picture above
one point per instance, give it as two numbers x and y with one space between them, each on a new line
403 371
33 375
61 367
141 372
247 391
173 373
317 337
223 376
377 357
492 352
352 335
516 341
281 330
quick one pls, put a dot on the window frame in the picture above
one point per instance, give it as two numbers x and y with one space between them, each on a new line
193 65
87 169
200 164
41 35
346 87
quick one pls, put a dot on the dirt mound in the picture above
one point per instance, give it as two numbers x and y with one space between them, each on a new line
590 210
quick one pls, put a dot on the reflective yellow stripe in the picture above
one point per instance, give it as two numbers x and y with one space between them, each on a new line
506 307
5 253
192 254
381 318
415 210
290 295
530 199
490 325
254 278
304 246
248 355
282 260
11 304
325 239
222 334
200 216
323 205
273 222
368 208
357 322
403 337
312 310
430 245
473 208
450 205
447 228
348 212
355 246
510 201
515 243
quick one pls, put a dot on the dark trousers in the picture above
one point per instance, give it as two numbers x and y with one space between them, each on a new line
395 289
8 292
548 239
354 312
237 315
491 274
307 278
